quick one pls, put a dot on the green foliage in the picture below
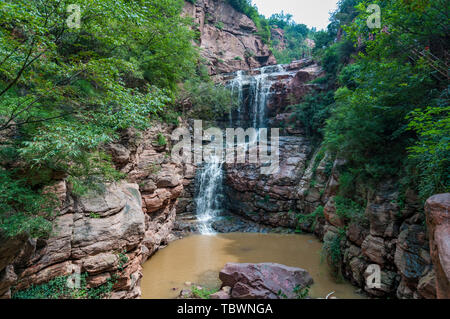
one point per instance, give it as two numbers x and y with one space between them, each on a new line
311 219
386 89
66 92
94 215
58 288
312 113
246 7
370 130
432 151
219 25
349 210
203 293
381 92
208 100
281 294
294 35
161 140
332 251
22 209
301 293
347 183
123 259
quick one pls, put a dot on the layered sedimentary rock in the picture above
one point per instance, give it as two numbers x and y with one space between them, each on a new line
269 199
105 234
438 221
278 39
88 235
389 234
228 38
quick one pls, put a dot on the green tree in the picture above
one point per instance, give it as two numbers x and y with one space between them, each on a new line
66 92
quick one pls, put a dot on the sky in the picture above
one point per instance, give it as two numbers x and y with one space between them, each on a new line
313 13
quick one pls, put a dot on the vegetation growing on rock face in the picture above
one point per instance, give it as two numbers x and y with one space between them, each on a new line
332 251
310 220
294 36
207 101
58 288
383 104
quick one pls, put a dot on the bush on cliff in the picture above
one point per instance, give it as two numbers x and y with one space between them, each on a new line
389 114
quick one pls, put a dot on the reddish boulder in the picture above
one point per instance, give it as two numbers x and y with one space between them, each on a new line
264 281
438 221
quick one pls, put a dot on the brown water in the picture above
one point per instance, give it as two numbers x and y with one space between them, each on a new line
198 259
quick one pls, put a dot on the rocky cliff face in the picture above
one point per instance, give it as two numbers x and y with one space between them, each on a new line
391 234
228 39
106 235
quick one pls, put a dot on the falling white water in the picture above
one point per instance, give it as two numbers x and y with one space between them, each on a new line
209 196
237 84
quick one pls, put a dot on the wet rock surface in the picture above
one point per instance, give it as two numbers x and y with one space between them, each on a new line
269 199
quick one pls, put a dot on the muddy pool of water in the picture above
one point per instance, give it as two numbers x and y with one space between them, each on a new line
199 259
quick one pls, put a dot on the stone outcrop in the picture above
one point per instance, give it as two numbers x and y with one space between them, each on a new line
228 39
264 281
388 234
161 181
290 91
105 234
438 220
88 235
269 199
278 39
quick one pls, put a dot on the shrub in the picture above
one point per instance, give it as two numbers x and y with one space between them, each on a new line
310 219
161 140
58 288
203 293
332 251
432 151
208 100
349 210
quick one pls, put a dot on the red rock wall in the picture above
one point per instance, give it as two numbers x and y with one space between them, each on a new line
227 37
437 209
93 233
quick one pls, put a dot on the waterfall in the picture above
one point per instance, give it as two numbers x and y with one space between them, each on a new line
209 196
209 180
237 84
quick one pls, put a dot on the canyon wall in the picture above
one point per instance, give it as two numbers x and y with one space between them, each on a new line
391 232
105 235
388 230
228 39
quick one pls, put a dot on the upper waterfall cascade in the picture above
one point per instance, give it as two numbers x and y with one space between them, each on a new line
253 90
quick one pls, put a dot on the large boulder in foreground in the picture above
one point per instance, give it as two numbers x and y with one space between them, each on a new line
437 210
264 281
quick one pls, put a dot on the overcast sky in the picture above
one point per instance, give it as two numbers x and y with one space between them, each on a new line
313 13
